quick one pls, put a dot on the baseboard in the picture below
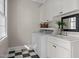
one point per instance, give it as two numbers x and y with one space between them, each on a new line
20 47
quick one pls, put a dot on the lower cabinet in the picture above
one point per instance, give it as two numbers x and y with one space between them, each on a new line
62 52
54 47
51 50
56 51
39 43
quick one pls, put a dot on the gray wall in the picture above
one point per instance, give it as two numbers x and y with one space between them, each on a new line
23 19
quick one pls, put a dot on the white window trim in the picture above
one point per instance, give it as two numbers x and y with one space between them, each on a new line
3 35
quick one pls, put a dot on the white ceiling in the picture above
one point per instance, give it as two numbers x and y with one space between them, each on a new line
39 1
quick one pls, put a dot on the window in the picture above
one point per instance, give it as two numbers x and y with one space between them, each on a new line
2 19
73 22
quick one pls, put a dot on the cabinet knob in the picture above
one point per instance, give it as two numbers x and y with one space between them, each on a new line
54 46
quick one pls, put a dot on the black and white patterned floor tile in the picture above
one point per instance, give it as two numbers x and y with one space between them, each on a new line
23 53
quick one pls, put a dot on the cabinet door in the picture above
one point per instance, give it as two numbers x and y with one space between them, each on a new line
69 5
57 7
42 44
62 52
51 50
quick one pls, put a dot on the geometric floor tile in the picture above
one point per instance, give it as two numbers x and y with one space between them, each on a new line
22 53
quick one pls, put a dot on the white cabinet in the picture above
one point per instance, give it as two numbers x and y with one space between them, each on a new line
65 6
62 52
69 5
51 52
56 51
57 7
39 43
35 42
55 46
58 47
43 44
54 7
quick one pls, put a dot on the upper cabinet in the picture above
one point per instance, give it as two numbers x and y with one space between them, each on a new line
57 7
68 5
64 6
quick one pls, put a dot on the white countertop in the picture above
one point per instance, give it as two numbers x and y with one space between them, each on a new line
67 38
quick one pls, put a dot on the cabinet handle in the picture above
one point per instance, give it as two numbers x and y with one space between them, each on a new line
54 46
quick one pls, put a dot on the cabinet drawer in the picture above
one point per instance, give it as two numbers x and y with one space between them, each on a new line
52 39
61 42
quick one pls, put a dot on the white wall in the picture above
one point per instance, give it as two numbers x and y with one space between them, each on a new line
23 19
3 47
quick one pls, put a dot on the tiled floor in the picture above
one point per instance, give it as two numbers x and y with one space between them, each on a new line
22 53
